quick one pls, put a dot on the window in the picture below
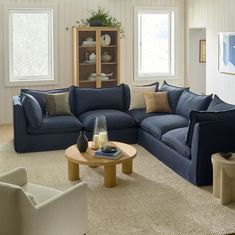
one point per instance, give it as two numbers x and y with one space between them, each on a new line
155 43
30 45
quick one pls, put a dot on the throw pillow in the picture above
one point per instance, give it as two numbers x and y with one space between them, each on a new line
219 105
137 96
204 116
57 104
189 101
174 93
32 110
157 102
39 95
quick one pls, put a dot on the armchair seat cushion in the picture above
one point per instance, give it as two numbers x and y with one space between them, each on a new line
40 193
115 119
159 125
140 114
57 124
176 139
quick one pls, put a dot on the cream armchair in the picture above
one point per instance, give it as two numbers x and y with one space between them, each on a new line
30 209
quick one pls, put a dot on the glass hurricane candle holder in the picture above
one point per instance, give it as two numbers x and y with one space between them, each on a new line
100 134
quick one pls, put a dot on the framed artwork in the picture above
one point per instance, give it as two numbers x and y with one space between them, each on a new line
202 51
226 53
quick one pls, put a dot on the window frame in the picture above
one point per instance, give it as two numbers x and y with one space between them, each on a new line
174 40
39 80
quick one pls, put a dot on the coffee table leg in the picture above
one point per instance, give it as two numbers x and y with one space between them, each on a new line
110 176
127 167
73 171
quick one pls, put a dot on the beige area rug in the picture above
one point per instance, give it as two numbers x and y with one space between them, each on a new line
152 200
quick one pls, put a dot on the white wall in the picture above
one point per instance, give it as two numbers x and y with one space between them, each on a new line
69 11
216 16
196 69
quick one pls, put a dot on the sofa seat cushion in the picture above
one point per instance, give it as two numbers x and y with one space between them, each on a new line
140 114
176 139
115 119
159 125
57 124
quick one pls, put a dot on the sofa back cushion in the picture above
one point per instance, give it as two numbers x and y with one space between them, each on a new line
174 94
205 116
39 96
32 109
219 105
87 99
189 101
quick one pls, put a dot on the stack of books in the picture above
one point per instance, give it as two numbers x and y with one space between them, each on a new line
108 155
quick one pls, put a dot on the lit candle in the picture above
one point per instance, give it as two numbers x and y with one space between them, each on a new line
96 141
103 138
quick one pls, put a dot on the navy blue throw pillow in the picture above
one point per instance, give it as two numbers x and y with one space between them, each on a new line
219 105
39 96
32 110
174 94
205 116
189 101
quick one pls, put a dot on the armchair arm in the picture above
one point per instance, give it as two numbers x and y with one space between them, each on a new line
17 176
65 213
209 138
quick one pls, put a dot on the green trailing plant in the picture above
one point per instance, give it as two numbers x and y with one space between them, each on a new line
104 18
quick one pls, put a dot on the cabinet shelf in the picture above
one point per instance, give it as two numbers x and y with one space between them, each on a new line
110 46
108 63
87 81
82 70
87 64
85 47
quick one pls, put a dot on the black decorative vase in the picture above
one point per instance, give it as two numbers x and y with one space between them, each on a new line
82 142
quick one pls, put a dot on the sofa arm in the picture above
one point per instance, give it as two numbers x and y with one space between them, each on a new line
19 122
17 176
65 213
209 138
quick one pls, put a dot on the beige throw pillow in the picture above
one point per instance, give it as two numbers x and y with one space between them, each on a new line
157 102
137 96
57 104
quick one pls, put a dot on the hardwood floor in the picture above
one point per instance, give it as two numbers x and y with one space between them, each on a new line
6 133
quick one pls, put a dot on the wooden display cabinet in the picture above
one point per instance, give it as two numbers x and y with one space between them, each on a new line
88 73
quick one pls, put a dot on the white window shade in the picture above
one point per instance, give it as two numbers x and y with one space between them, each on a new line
154 43
29 50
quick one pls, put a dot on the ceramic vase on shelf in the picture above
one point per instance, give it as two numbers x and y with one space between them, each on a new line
92 57
82 142
106 57
100 134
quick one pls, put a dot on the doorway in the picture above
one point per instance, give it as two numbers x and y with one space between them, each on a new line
196 65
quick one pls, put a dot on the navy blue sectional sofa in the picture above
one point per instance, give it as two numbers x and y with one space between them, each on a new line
184 139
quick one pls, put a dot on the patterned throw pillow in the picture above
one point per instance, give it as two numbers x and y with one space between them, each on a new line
57 104
157 102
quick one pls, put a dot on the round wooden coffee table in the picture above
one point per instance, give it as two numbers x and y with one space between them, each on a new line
75 158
